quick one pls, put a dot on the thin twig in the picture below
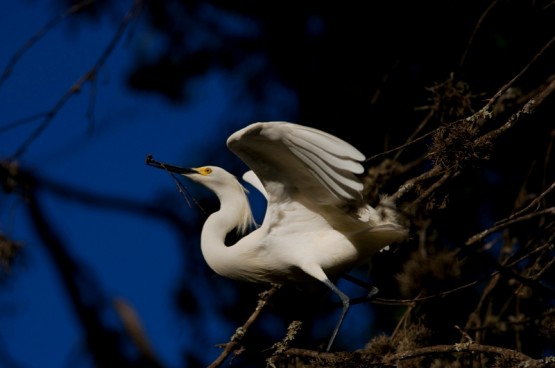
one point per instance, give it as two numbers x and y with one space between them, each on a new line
506 223
403 321
527 109
442 294
428 297
432 188
87 77
180 187
92 103
281 346
240 332
38 35
185 192
534 203
400 147
475 31
410 141
20 122
410 184
502 90
535 250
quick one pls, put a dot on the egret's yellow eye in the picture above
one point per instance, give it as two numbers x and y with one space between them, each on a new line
204 171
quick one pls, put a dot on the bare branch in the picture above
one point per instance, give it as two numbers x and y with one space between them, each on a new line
90 75
37 36
475 31
534 204
527 109
135 330
240 332
502 90
393 360
411 184
19 122
506 223
465 348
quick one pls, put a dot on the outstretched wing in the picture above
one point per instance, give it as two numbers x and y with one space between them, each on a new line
296 161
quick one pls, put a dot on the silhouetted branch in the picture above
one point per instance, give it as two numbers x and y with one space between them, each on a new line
241 331
88 300
38 35
475 30
506 223
135 330
486 111
89 76
14 178
534 203
517 359
522 360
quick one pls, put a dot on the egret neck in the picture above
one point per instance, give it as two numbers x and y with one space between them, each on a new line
234 213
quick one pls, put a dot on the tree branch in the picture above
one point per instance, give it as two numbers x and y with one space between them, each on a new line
89 76
38 35
240 332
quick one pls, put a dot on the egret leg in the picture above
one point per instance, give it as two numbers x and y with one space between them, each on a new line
372 290
345 301
366 298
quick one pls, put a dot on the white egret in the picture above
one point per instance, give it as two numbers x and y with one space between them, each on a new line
317 224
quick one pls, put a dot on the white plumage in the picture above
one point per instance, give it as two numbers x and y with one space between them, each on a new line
317 224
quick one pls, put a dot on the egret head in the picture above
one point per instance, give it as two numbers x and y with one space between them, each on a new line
222 183
212 177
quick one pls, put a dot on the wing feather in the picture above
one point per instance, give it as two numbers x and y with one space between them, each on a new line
346 163
300 159
329 143
346 185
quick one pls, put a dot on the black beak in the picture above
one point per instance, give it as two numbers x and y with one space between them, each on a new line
176 169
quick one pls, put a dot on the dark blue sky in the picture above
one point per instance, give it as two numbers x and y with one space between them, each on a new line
133 257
